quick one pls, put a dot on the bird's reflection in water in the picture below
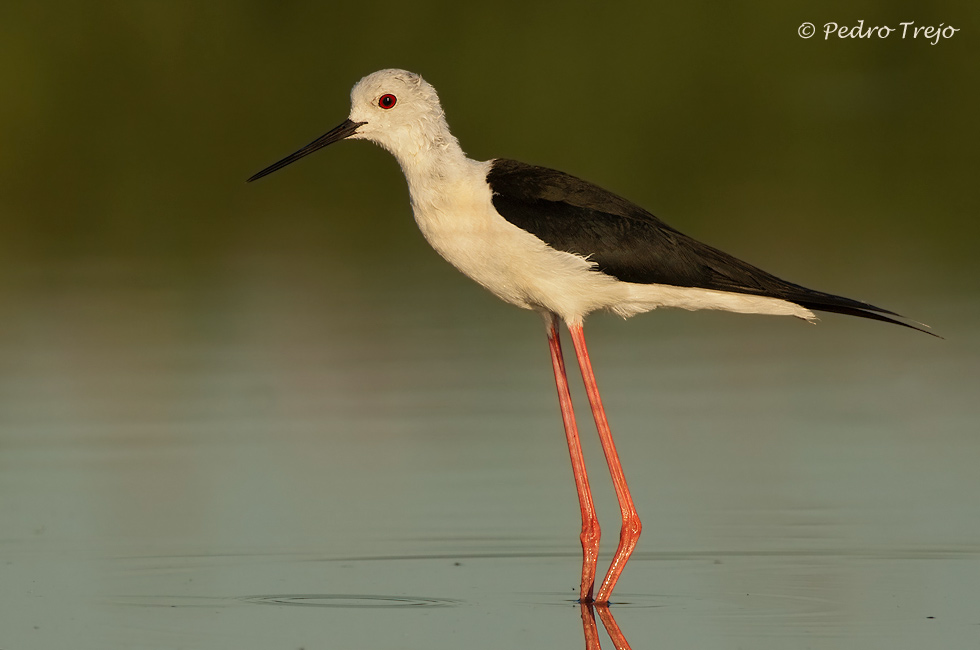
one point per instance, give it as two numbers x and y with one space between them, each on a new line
591 631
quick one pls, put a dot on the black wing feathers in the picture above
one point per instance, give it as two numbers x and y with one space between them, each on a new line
632 245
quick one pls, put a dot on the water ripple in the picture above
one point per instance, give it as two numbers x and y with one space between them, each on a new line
348 601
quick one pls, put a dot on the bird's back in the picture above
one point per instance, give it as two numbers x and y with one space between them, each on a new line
631 244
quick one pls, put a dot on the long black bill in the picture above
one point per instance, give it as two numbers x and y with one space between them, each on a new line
345 130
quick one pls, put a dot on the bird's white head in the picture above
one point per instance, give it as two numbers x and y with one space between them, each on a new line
400 111
397 110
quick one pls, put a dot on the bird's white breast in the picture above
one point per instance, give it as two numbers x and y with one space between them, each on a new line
459 221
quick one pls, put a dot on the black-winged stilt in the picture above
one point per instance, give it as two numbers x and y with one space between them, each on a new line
543 240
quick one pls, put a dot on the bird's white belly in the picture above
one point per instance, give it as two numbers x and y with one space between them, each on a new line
512 263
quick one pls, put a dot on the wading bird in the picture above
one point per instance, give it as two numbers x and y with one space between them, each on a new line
547 241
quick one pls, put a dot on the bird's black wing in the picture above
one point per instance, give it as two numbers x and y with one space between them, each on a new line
632 245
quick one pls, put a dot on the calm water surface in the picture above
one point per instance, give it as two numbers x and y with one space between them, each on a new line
279 455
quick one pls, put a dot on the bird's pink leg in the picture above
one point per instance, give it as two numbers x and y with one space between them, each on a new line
630 532
590 523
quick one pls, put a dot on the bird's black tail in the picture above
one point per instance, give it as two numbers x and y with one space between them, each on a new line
819 301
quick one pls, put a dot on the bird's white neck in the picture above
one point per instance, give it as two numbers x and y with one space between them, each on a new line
431 159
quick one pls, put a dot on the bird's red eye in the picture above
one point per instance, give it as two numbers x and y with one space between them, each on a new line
387 101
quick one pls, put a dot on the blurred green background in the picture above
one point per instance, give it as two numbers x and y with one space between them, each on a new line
127 129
